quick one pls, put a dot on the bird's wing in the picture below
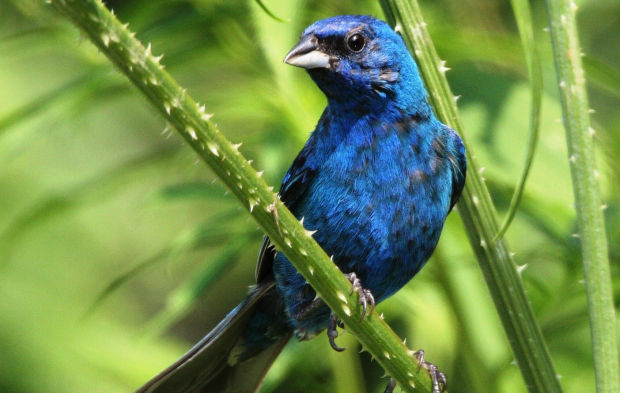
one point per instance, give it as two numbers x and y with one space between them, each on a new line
294 186
459 165
265 261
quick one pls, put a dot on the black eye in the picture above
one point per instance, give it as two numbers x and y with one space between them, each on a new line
356 42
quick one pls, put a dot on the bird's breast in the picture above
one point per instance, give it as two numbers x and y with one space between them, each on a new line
379 207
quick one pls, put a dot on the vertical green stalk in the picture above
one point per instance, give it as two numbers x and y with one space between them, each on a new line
579 137
478 213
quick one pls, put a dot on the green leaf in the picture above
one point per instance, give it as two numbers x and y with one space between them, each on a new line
271 14
523 15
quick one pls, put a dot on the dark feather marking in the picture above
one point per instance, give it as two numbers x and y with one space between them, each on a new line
459 166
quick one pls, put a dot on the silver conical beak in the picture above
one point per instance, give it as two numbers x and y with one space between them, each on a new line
306 54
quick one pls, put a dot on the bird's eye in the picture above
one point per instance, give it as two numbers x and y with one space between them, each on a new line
356 42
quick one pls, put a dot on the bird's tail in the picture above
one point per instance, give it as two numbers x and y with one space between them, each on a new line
222 362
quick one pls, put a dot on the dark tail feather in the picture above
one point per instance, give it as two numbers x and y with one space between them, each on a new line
205 368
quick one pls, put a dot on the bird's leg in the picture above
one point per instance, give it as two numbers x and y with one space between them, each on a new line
390 387
332 327
332 331
365 296
302 314
438 379
365 299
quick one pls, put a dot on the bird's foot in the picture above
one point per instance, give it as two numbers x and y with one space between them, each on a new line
390 387
438 379
332 331
365 296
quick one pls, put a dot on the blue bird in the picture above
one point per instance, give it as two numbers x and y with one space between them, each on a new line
376 180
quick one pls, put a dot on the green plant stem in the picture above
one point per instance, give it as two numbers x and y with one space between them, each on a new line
523 16
478 213
287 234
579 137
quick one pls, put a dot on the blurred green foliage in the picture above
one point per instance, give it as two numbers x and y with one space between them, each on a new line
116 258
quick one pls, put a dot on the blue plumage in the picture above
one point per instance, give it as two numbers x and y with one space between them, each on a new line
376 180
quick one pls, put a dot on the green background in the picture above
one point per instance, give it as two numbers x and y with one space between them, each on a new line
118 250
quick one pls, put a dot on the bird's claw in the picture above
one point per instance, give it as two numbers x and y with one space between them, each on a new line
365 296
332 332
438 378
390 387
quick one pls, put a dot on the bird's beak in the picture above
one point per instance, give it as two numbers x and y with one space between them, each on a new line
306 54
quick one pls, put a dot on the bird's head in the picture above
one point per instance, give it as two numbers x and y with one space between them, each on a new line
358 60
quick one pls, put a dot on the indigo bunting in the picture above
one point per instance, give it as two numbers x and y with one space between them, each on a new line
376 180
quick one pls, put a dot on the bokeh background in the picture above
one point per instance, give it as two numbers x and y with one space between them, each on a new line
118 250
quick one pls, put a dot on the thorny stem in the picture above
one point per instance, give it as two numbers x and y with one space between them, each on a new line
478 213
579 137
